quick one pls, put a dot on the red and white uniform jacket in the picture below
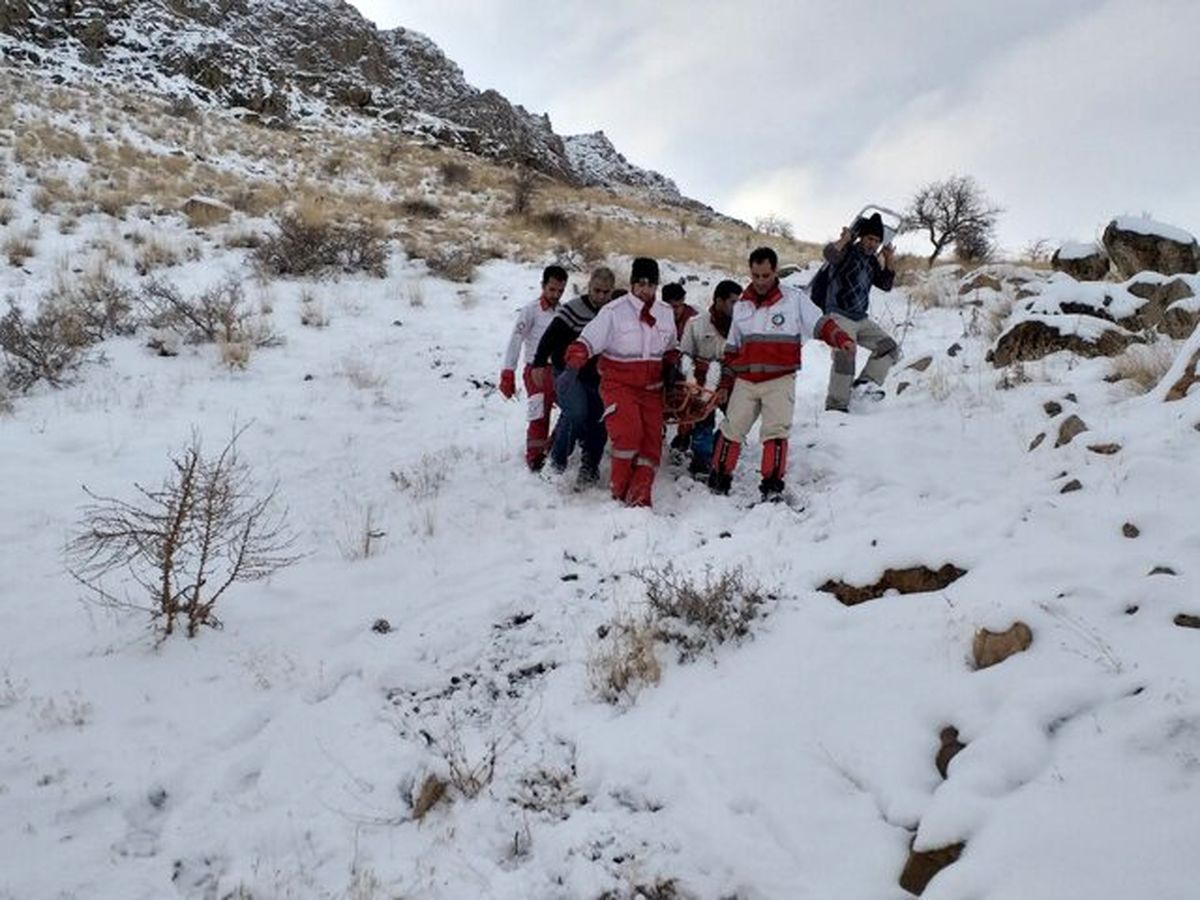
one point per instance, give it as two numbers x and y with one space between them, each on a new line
631 349
766 333
532 322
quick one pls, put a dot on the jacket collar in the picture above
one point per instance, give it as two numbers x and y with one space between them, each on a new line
772 296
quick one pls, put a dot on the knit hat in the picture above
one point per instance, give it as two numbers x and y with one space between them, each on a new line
872 226
643 267
673 292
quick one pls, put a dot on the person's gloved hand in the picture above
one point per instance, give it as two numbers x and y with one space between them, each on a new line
576 356
508 383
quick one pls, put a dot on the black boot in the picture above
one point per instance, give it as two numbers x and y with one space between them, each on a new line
771 489
719 482
589 474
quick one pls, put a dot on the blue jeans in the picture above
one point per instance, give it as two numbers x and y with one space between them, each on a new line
580 421
704 435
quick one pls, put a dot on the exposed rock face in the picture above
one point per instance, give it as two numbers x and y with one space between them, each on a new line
289 61
1140 245
1190 376
1157 312
1083 262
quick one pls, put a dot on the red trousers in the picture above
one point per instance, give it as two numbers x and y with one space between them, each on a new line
634 419
540 403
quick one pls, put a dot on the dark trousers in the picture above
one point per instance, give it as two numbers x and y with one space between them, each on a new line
581 422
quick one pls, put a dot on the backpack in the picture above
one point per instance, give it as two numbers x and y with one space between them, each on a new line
818 288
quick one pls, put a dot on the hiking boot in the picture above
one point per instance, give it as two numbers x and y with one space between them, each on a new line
720 482
834 406
868 390
698 468
771 489
535 464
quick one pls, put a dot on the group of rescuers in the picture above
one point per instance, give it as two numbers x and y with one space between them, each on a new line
606 358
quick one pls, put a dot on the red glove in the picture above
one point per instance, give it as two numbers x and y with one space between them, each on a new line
577 355
835 337
508 383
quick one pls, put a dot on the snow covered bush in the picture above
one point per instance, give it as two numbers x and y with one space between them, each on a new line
309 246
185 544
699 614
1144 365
94 308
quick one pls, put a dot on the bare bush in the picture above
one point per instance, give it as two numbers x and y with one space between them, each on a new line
361 534
698 615
42 348
183 545
312 311
94 308
468 777
155 254
219 314
625 660
525 185
454 262
6 213
553 221
307 247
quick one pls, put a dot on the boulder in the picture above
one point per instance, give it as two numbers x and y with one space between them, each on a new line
1138 245
1071 428
205 211
1157 313
922 865
1033 339
1083 262
992 647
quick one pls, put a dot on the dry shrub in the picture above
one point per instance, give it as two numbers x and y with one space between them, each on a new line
246 239
6 409
424 480
554 222
306 246
468 777
455 174
202 212
420 208
93 308
235 354
360 534
18 248
155 254
697 615
453 261
219 314
183 545
363 374
1144 365
312 311
625 660
6 213
42 348
525 185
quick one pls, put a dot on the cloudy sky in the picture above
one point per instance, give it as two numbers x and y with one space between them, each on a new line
1067 112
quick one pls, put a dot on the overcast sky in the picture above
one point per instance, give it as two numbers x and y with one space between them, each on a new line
1067 112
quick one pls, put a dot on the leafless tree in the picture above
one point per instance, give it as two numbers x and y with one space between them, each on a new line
776 226
184 544
525 185
953 210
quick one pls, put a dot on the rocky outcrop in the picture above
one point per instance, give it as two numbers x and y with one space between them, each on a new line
1033 339
1140 245
281 62
1083 262
1159 311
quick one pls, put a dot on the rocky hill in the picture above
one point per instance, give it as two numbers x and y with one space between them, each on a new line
285 64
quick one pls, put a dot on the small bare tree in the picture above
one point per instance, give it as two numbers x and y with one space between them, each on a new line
525 186
185 543
954 210
776 226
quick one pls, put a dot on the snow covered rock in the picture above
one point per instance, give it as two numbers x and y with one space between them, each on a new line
1071 428
1083 262
205 211
1040 335
922 865
1163 309
1137 245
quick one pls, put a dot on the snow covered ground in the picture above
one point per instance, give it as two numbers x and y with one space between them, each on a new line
280 756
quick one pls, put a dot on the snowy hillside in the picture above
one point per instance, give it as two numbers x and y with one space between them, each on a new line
468 683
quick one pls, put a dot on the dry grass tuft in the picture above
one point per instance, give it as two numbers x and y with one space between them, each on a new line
1144 365
625 660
